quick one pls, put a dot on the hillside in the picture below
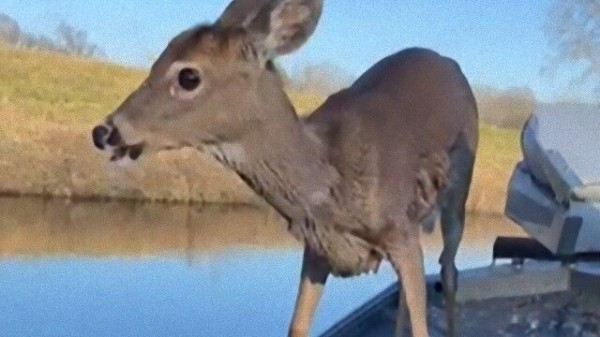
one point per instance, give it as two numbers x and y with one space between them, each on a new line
50 102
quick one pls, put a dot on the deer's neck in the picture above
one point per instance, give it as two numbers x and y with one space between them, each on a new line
286 166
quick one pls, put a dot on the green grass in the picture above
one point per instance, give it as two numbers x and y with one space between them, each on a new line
498 153
50 102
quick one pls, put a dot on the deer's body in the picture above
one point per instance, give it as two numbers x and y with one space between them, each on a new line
376 162
355 180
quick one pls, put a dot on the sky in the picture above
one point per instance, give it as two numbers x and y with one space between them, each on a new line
500 43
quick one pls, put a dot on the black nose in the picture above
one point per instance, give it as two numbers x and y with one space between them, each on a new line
114 138
99 135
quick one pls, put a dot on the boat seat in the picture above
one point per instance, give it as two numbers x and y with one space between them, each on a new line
554 193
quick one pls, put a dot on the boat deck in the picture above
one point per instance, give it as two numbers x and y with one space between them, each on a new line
497 295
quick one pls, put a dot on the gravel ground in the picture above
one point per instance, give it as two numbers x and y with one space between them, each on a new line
567 314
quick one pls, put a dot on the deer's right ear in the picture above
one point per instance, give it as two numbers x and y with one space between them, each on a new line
243 13
281 26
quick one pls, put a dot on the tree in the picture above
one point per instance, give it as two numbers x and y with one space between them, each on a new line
573 32
9 30
69 40
75 41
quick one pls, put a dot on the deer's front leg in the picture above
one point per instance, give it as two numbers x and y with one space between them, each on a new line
407 259
315 271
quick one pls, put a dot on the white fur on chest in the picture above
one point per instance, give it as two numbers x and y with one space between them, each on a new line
229 154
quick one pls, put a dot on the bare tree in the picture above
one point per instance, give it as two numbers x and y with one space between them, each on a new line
69 40
573 32
75 41
9 30
43 43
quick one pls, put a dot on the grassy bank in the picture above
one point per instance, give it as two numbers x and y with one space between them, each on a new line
49 103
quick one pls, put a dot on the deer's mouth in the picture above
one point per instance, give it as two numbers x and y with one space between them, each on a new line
108 137
132 152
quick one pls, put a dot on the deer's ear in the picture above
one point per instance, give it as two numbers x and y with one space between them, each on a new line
292 22
280 26
245 14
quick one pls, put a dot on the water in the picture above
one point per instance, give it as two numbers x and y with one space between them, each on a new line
151 270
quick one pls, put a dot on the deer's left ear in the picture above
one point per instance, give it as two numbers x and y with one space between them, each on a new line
292 22
279 26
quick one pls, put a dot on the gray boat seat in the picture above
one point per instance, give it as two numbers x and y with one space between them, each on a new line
554 193
562 152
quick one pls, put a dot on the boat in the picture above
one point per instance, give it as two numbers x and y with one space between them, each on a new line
554 195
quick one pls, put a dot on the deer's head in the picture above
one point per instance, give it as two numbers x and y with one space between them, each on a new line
215 83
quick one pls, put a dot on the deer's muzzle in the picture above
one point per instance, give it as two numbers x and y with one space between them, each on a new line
108 137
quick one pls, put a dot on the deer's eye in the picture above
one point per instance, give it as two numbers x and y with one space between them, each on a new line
189 79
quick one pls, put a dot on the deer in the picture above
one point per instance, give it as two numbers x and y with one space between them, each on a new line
356 182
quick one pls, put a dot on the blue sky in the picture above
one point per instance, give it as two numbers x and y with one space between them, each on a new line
497 42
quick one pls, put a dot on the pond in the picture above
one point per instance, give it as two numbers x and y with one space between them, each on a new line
115 269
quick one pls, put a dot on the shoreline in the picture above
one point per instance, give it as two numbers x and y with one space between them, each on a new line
11 194
97 198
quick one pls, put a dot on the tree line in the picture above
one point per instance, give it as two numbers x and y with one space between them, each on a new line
572 30
504 108
67 39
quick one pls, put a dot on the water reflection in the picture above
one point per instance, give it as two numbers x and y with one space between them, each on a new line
154 270
37 227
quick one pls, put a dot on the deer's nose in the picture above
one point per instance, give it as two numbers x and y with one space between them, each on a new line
104 135
107 135
114 137
100 135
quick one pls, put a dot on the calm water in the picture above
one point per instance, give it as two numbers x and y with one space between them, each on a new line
145 270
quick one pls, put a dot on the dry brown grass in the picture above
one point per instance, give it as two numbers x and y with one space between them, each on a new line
49 103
